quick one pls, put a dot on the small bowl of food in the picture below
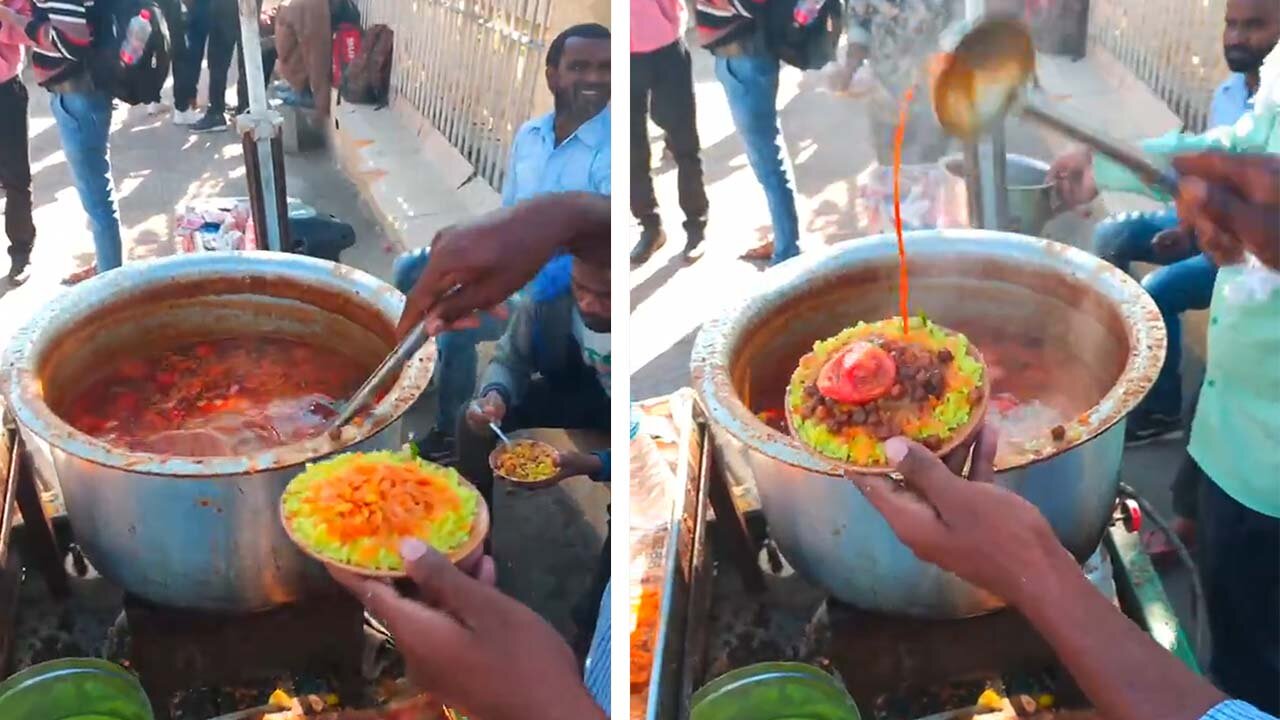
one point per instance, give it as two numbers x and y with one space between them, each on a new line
526 463
353 511
875 381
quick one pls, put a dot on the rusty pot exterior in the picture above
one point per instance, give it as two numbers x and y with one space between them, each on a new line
200 533
819 520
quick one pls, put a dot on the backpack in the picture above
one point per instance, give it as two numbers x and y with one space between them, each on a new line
367 80
133 84
810 46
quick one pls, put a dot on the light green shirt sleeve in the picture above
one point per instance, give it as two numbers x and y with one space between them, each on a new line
1255 132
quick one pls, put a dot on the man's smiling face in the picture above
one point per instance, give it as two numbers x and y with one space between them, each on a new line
580 81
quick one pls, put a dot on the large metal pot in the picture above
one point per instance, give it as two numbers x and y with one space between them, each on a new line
198 532
1030 198
964 279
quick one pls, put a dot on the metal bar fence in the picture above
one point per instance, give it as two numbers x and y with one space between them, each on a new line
468 67
1174 46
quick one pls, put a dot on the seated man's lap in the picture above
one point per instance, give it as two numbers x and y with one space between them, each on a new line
1184 285
1126 237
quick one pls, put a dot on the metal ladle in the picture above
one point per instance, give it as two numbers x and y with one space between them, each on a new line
388 370
987 75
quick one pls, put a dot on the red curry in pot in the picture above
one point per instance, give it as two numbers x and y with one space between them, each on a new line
217 398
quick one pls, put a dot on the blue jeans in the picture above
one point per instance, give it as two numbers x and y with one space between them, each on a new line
751 84
458 360
84 124
1176 288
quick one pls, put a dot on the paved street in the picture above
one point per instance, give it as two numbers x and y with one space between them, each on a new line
158 167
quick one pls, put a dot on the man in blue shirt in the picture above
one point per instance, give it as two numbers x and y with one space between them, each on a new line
564 150
1186 282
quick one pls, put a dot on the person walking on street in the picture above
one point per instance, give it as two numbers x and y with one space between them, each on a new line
895 38
15 160
61 37
223 39
748 71
662 88
188 59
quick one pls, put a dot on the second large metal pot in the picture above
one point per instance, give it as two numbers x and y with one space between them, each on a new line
820 521
198 532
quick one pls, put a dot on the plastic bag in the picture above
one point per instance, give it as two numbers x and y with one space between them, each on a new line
931 198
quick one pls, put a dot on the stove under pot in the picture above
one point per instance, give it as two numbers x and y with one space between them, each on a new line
188 658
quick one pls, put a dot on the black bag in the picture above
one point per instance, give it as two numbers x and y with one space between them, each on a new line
322 236
810 46
367 80
142 81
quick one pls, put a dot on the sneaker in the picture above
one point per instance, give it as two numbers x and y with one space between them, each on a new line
651 240
156 108
1143 429
186 118
19 271
693 245
211 122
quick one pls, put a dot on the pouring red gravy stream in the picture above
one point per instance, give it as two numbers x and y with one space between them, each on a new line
1025 407
217 398
864 372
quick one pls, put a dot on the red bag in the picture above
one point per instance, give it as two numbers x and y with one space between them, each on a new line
346 46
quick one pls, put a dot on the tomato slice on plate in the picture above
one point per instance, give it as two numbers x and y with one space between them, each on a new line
857 374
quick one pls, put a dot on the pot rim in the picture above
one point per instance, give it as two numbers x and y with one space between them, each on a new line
21 387
948 160
718 339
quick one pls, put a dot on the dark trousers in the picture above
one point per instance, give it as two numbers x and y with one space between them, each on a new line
662 86
188 59
1240 568
15 169
176 24
579 406
224 37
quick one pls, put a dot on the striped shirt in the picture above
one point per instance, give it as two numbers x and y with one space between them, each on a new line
596 674
722 21
61 38
1235 710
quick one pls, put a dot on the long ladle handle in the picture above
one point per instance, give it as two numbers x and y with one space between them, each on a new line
1039 111
406 349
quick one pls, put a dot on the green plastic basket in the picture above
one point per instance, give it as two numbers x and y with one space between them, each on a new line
74 689
774 691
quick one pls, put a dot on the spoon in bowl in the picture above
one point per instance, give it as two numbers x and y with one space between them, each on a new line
987 75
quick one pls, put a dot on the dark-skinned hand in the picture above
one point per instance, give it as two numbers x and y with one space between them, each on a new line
476 266
1232 201
472 647
986 535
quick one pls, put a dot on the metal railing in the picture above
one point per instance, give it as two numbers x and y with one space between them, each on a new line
1174 46
468 67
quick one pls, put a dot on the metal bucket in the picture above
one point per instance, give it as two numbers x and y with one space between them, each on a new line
1031 199
962 279
199 532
